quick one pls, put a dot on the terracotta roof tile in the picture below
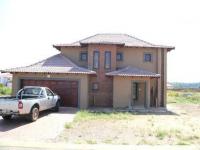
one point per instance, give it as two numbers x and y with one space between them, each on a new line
118 39
133 72
55 64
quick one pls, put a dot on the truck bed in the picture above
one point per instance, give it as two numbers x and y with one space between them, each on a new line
10 103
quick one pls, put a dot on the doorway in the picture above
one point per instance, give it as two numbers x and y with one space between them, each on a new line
139 94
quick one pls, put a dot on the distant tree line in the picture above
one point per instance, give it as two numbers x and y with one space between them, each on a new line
182 85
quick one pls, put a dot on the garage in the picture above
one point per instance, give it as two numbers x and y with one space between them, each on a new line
58 73
67 90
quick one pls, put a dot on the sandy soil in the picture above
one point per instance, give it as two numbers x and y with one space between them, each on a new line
180 126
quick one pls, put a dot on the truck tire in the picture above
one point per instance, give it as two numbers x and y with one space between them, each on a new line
7 117
34 114
56 108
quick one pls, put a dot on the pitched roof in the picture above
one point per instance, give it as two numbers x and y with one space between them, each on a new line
133 72
55 64
118 39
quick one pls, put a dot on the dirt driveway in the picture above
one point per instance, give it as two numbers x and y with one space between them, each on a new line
47 127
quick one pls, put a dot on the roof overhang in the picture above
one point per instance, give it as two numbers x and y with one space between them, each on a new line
57 64
18 72
133 72
58 46
142 76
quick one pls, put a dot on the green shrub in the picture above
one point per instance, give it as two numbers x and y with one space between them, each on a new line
1 85
5 90
183 97
161 134
68 125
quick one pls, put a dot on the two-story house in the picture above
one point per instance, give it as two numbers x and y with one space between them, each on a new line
104 70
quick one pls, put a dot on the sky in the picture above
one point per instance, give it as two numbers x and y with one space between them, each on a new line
29 28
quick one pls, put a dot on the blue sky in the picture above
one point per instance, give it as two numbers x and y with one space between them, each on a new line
28 28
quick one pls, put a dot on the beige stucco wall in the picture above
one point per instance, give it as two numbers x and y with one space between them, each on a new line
83 83
73 53
122 95
131 57
135 57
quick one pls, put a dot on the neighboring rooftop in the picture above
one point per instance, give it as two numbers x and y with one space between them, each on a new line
55 64
133 72
118 39
5 75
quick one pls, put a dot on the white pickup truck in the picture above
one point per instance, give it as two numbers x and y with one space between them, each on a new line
29 101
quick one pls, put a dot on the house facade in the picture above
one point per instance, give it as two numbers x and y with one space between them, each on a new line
104 70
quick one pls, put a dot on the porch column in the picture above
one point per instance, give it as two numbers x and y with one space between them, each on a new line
165 78
15 84
148 95
158 102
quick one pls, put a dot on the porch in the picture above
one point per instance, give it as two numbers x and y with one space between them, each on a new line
134 88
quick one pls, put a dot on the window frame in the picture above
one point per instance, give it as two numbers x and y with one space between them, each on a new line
52 94
42 94
96 52
144 56
105 60
82 53
122 56
93 89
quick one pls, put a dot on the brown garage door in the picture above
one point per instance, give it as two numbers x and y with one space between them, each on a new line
67 90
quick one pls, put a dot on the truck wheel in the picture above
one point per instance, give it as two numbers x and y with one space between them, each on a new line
8 117
34 114
56 108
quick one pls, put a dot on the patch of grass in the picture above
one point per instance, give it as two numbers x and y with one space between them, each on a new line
183 97
91 142
85 115
175 132
69 125
107 141
125 143
161 134
183 143
78 142
128 128
188 138
144 142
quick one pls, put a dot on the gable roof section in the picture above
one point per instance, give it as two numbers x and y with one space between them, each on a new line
55 64
133 72
118 39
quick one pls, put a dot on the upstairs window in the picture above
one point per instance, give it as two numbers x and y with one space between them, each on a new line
119 56
107 59
148 57
96 60
83 56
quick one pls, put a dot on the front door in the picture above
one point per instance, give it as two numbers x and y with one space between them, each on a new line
138 93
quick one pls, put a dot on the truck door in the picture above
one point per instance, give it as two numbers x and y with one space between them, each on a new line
50 97
43 101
